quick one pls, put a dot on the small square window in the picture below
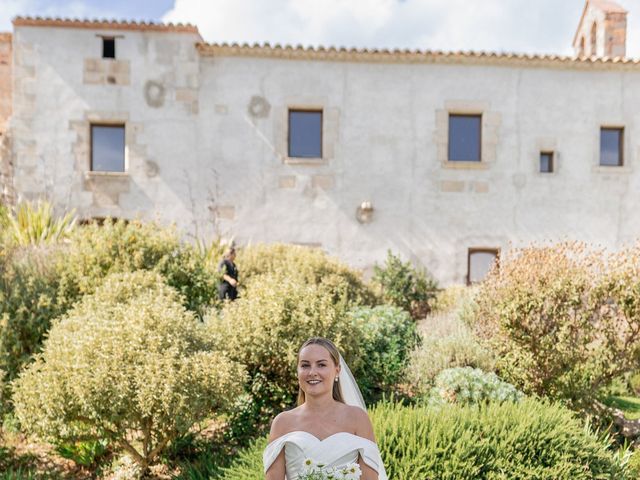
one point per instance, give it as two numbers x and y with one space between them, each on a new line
611 141
108 47
465 138
107 148
546 162
305 133
480 261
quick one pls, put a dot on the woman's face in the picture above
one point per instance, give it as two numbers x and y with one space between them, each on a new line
316 370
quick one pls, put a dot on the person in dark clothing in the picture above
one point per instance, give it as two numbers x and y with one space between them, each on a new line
228 287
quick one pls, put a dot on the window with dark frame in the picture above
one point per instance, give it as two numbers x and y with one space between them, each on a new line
108 47
107 148
611 146
465 138
305 134
480 261
546 162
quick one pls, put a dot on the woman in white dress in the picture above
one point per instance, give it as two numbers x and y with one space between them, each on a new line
323 427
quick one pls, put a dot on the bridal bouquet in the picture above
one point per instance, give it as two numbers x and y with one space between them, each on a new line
318 471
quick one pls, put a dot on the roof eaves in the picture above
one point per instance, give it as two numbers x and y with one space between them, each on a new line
105 24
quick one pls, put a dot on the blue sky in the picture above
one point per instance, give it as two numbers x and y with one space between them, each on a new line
528 26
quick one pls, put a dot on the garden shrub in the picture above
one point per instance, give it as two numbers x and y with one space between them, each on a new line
264 329
529 440
96 250
633 465
306 265
388 336
634 383
31 295
563 320
34 223
405 286
127 362
40 283
468 386
446 343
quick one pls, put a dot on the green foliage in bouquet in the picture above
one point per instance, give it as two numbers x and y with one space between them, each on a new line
564 320
405 286
472 386
388 336
305 265
264 329
128 362
528 440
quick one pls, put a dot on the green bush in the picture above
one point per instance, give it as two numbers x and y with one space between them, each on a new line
306 265
634 383
468 386
529 440
563 320
126 362
32 294
446 343
405 286
388 336
97 250
33 224
40 283
633 466
264 329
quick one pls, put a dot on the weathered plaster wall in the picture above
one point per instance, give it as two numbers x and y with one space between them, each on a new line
390 127
206 147
62 85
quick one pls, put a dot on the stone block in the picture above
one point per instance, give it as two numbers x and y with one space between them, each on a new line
287 181
227 212
186 95
323 182
481 187
452 186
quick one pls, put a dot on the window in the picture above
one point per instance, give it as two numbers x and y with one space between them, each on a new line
464 138
108 47
479 263
107 148
594 33
305 133
611 141
546 162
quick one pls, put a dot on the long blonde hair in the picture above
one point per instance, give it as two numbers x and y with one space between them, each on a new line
335 356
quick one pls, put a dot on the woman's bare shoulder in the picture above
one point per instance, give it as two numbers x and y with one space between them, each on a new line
283 423
360 421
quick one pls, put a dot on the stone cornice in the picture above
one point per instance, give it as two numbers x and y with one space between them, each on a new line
411 56
104 24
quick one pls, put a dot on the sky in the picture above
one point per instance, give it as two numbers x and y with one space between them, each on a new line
523 26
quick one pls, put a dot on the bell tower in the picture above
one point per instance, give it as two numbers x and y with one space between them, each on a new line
602 31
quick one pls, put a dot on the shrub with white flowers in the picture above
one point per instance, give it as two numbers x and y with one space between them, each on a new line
468 385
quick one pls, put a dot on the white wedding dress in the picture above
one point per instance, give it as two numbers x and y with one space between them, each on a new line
334 451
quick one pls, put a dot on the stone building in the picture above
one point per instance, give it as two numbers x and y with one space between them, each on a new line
448 158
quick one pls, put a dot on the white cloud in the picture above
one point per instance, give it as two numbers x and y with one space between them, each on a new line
543 26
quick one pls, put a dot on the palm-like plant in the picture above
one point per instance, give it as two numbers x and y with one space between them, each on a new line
35 223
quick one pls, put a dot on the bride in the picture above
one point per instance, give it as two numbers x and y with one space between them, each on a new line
330 426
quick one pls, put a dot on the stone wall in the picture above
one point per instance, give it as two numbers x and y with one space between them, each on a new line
6 182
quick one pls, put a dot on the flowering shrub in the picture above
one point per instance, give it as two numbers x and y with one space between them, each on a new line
128 364
563 320
468 385
405 286
306 265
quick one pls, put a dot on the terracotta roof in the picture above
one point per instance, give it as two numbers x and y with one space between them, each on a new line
404 56
104 24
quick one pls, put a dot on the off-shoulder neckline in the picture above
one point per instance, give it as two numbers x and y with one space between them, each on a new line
321 440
